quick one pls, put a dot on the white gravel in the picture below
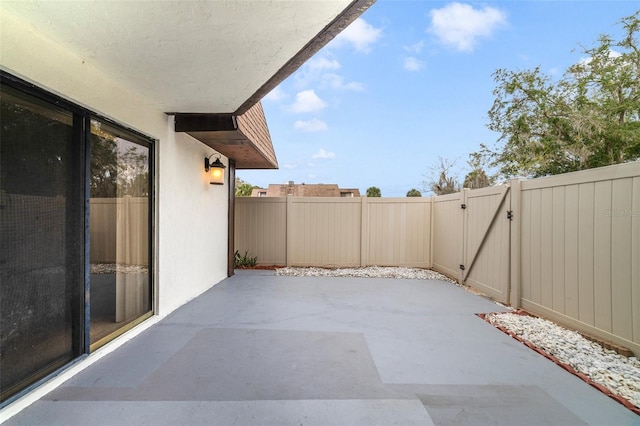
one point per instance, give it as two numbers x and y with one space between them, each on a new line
619 374
112 268
368 272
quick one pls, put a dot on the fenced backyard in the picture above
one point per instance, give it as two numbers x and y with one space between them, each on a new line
565 247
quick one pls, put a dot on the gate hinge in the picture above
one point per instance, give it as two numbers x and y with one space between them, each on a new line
462 267
463 206
510 214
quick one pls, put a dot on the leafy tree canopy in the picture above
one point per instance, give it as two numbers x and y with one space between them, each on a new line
243 189
414 193
373 191
477 177
588 118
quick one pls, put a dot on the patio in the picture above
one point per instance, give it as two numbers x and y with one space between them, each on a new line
263 349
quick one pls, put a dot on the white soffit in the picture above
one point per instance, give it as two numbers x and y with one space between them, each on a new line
184 56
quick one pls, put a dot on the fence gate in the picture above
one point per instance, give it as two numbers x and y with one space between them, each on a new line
447 234
486 255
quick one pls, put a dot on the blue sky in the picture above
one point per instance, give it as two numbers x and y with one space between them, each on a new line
411 81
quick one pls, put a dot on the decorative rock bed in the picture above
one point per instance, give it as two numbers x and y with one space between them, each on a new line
613 374
112 268
368 272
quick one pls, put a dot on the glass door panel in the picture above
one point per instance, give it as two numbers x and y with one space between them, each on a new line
41 239
120 286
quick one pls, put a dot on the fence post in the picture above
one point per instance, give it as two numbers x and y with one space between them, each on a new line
514 244
463 206
431 225
289 229
364 231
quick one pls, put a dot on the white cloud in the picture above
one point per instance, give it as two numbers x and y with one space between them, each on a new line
585 63
460 25
322 63
321 69
277 94
313 70
307 101
415 47
323 154
290 166
336 81
612 55
360 34
313 125
413 64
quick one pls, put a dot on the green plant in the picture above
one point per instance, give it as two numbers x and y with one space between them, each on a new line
373 191
244 261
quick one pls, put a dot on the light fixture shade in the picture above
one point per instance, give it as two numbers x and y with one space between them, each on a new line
215 170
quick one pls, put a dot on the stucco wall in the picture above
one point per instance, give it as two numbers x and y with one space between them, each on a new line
193 222
191 214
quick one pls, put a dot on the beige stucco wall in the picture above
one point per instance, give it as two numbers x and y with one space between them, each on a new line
191 215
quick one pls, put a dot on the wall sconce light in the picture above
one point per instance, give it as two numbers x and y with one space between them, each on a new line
216 170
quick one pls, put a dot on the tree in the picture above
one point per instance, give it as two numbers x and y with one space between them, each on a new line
477 177
26 130
588 118
414 193
118 167
373 191
440 179
104 165
243 189
133 170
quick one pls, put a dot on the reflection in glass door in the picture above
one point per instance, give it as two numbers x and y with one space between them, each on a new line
120 285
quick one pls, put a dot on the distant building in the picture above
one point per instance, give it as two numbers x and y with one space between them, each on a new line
305 190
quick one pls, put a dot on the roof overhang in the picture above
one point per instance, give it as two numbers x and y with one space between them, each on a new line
208 62
195 56
244 138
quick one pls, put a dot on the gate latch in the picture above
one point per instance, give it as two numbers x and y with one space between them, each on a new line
462 267
463 206
510 214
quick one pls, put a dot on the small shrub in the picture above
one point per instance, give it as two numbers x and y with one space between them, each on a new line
244 261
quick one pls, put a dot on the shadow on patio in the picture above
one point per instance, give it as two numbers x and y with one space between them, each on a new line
263 349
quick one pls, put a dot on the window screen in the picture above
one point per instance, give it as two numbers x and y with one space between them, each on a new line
41 239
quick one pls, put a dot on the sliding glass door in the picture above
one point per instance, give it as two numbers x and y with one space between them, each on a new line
120 246
41 239
75 233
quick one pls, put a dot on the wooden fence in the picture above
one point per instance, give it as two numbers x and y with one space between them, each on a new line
565 247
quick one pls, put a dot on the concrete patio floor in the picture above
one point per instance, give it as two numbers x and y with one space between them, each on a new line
258 349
